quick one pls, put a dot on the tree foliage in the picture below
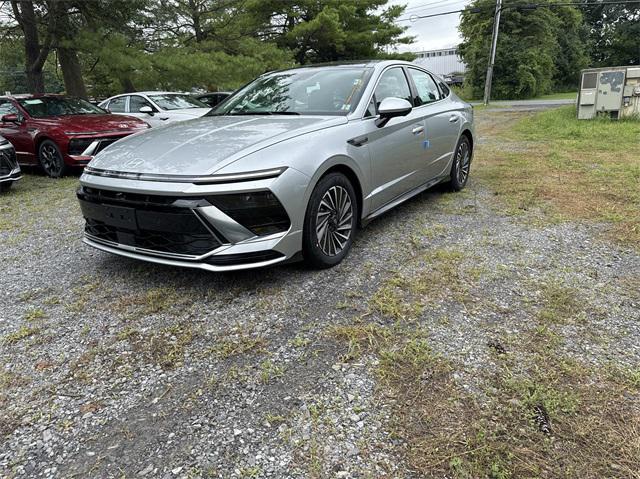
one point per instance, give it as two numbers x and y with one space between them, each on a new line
614 34
103 47
538 50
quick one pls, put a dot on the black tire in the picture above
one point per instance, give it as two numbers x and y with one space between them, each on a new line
461 165
51 159
326 246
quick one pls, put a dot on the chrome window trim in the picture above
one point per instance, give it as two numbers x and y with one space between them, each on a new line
403 66
203 180
434 81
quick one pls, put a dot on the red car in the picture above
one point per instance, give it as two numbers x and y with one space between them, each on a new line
58 132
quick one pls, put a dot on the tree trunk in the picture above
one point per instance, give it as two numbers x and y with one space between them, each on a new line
71 72
68 56
127 85
35 54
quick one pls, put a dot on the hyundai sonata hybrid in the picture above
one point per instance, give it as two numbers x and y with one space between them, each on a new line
288 167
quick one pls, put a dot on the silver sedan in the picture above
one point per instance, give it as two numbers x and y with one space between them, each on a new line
287 168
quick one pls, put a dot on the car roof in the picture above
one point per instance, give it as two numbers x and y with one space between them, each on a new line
379 64
22 96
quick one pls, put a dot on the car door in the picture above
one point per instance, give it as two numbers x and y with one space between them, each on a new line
396 148
18 134
442 124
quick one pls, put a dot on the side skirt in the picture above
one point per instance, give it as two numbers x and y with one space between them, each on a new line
402 198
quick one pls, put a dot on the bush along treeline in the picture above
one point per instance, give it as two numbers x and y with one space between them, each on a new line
542 50
102 47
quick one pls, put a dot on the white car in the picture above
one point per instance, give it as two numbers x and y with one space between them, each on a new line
156 107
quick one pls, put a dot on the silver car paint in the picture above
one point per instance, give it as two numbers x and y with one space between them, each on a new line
390 167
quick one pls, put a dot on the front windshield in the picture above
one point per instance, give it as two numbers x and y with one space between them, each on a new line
172 101
305 91
59 106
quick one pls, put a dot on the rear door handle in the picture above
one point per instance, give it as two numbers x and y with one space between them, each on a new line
417 130
453 119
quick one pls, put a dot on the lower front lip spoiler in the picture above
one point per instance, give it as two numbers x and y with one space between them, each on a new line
184 264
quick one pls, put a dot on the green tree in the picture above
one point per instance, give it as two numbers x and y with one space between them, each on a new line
332 29
538 50
614 33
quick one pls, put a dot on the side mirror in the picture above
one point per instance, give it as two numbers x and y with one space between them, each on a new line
146 109
392 107
11 118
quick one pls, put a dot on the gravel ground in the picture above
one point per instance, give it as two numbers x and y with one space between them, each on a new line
116 368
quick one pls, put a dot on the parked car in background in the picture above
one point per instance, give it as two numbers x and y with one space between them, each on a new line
9 169
213 99
156 107
292 163
57 132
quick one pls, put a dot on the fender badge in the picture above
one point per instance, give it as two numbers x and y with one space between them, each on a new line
426 144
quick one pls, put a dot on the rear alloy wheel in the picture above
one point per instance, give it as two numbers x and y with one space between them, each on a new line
51 159
330 221
461 164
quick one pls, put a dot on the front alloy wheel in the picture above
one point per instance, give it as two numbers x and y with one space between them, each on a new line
51 159
330 221
461 164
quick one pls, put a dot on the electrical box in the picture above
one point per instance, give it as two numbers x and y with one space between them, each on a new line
613 92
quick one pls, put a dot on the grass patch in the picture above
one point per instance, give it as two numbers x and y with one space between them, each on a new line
237 345
569 169
31 198
540 413
20 334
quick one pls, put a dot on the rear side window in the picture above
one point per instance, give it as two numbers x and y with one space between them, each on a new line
117 105
393 83
427 90
444 89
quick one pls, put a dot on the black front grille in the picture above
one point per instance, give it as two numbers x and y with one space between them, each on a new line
78 145
8 161
177 243
106 142
159 223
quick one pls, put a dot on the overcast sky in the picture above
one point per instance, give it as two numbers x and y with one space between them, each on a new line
431 33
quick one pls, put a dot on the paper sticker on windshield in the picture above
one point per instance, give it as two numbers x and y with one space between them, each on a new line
33 102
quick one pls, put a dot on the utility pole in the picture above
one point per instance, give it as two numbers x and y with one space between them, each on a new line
492 58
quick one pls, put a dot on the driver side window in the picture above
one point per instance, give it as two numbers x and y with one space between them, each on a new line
393 83
7 108
136 102
117 105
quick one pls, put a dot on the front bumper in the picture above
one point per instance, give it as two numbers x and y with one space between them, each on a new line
9 169
180 224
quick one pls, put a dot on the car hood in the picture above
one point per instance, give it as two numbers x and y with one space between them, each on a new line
204 145
93 123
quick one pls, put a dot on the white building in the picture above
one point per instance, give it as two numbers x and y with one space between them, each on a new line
441 62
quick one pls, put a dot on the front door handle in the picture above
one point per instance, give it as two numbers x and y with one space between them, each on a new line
417 130
453 119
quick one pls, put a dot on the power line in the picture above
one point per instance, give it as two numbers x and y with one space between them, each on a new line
526 6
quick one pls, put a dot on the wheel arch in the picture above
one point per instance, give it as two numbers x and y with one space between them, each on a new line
467 132
338 165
